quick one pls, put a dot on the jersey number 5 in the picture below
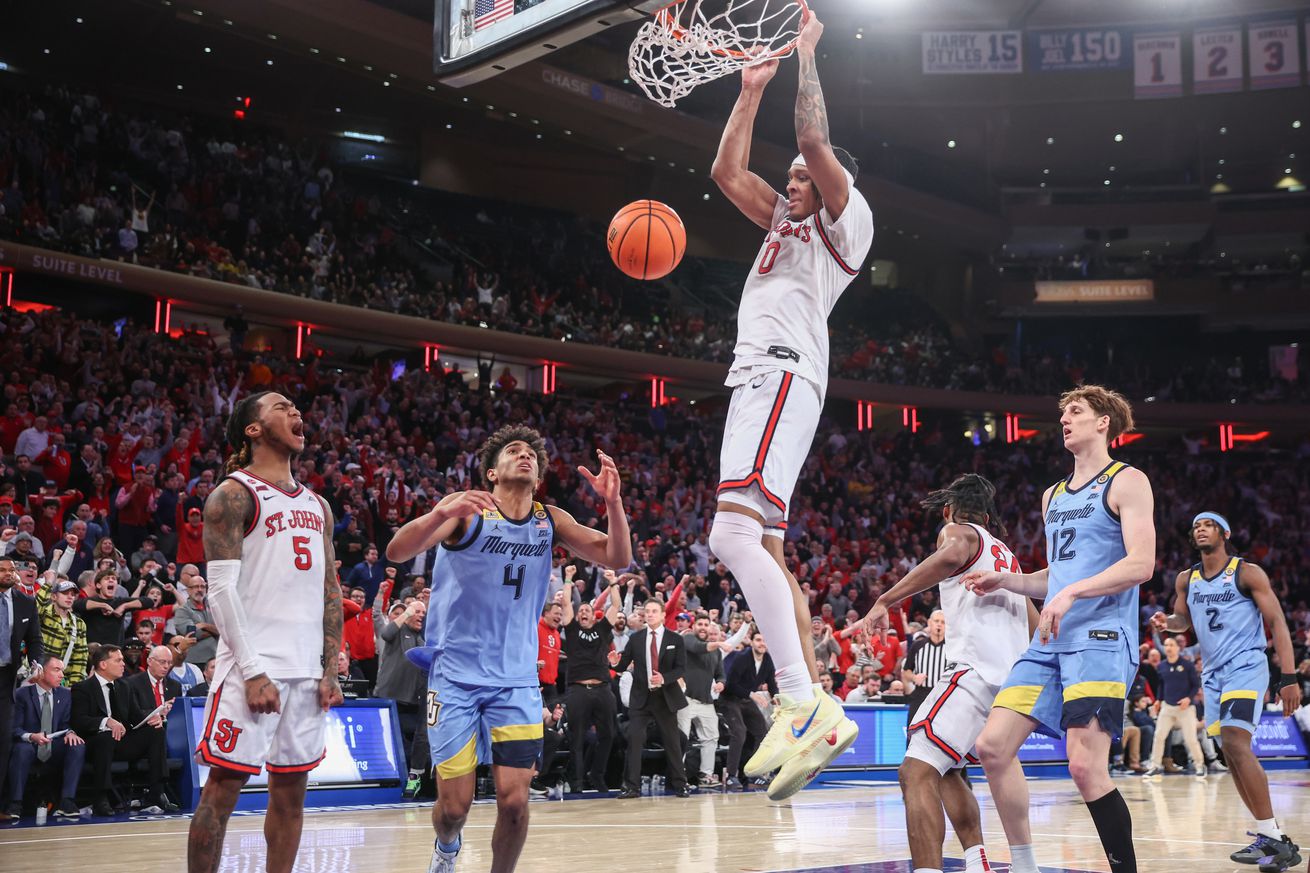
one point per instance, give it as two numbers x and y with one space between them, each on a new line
514 578
304 557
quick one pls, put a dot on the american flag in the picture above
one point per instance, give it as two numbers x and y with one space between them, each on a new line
486 12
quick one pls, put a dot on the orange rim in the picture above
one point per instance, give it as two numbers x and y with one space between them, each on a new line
677 31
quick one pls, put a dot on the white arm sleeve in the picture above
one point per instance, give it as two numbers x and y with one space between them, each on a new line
733 641
230 616
65 561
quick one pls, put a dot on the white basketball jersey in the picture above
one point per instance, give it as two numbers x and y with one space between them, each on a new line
802 269
987 633
281 584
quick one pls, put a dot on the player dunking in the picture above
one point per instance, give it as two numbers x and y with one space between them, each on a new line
489 581
988 634
1073 679
274 593
818 236
1234 601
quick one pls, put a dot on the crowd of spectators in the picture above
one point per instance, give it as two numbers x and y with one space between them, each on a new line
239 203
111 438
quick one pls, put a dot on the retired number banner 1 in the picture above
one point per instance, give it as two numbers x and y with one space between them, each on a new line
1157 65
972 51
1274 46
1217 57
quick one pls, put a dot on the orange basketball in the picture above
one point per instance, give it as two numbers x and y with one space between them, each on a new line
646 239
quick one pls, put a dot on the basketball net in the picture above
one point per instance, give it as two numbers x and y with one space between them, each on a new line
690 42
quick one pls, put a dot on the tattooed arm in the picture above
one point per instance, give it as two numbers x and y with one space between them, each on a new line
228 512
329 689
812 124
731 170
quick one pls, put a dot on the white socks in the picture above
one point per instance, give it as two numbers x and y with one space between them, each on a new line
1269 828
1022 860
736 540
975 860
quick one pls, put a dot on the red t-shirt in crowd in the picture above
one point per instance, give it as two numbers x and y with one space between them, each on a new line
547 652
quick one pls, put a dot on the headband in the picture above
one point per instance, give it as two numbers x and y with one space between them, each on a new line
799 161
1216 518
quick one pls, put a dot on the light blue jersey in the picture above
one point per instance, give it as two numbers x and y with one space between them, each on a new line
487 594
1228 623
1083 537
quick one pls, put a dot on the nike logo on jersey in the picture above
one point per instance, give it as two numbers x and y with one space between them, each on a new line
799 733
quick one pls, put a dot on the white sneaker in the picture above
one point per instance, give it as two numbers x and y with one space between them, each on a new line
443 862
797 726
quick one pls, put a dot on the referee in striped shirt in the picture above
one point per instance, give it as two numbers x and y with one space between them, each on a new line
925 663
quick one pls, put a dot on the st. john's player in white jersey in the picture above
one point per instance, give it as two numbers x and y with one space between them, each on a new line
818 237
276 601
984 637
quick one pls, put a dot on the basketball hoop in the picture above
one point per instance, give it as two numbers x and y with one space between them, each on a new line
690 42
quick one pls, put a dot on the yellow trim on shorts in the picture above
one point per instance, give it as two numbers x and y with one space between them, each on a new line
1080 690
1213 730
461 763
1239 694
1020 698
511 732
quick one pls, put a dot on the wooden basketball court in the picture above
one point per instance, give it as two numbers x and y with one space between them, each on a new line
1180 824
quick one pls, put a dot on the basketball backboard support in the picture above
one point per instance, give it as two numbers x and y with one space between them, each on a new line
474 40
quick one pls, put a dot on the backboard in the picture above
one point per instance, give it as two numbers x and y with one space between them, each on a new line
477 39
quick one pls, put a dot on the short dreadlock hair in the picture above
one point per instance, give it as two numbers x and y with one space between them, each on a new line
490 451
972 498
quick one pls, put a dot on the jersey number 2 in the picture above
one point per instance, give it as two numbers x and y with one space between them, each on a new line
1215 623
304 557
514 578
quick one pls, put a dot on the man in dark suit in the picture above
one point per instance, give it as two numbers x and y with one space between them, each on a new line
40 710
20 640
750 674
152 687
102 717
656 696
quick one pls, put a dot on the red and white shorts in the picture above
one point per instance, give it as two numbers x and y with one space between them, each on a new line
290 741
948 722
771 423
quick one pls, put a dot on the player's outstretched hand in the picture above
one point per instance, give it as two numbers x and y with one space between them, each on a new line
980 583
1290 695
877 621
462 504
262 695
1160 622
811 30
329 691
606 482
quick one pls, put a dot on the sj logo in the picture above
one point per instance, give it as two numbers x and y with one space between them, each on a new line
226 735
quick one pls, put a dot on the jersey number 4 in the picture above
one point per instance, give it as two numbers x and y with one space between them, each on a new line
514 578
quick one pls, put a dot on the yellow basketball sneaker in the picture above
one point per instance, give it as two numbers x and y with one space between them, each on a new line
796 727
801 770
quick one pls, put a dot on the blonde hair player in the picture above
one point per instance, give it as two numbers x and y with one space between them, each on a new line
1073 679
818 236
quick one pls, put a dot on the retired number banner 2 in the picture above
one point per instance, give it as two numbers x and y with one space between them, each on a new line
1274 46
1157 65
1217 57
972 51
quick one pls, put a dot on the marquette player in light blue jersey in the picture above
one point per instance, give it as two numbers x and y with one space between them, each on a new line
489 582
1228 602
1072 681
